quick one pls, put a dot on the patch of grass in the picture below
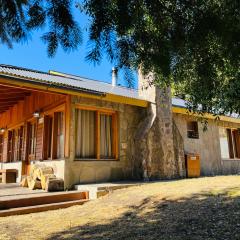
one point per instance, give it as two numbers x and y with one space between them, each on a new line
204 208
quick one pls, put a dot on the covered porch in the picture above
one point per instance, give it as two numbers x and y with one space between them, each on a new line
33 126
15 200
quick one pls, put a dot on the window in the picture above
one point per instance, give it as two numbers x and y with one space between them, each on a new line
192 129
11 138
54 136
96 135
1 147
86 134
15 145
229 143
106 136
32 129
48 127
60 134
18 144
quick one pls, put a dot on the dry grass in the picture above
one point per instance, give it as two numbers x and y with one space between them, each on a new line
204 208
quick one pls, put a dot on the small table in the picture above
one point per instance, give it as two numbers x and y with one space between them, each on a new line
8 175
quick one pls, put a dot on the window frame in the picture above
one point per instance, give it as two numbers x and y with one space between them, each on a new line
1 147
13 152
31 155
195 132
115 141
18 147
52 113
232 149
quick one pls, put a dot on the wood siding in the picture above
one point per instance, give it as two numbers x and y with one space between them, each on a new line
24 109
21 114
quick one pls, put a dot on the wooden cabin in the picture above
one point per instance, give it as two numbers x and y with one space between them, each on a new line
80 127
90 131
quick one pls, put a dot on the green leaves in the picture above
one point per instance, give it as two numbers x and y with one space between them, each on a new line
19 18
192 45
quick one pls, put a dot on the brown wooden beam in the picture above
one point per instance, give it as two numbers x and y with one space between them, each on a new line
11 99
13 91
3 107
32 89
7 101
11 95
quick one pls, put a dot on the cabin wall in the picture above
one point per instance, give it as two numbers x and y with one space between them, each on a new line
19 115
208 146
91 171
24 109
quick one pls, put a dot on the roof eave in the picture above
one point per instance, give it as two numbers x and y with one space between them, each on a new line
183 110
68 90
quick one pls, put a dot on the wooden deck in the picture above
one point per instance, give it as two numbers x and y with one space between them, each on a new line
15 200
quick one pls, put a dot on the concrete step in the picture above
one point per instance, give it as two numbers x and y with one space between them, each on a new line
41 208
101 189
42 199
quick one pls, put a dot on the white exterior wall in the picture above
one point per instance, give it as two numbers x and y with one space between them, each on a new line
208 146
13 165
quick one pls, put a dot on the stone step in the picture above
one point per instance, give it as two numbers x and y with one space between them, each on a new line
101 189
40 208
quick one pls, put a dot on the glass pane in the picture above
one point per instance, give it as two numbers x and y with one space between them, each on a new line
85 137
60 135
224 143
106 136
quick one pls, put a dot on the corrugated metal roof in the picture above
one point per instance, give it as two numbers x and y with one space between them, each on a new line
177 102
68 81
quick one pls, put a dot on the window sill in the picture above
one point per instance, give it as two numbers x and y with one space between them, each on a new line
96 160
48 160
11 162
230 159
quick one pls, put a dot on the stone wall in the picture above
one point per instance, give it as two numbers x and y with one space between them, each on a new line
91 171
179 151
160 156
208 146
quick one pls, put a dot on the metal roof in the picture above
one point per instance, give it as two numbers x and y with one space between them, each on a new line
67 81
177 102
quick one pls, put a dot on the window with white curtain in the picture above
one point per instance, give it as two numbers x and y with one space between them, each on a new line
96 136
106 136
229 143
85 137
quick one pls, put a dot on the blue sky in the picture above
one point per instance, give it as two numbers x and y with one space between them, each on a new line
33 54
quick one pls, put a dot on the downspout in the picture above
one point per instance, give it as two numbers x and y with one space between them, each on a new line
143 129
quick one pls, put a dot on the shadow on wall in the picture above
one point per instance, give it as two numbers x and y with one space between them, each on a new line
202 216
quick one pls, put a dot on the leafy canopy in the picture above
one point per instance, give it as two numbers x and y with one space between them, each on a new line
19 17
189 44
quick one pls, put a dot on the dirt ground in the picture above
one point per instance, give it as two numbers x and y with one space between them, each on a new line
204 208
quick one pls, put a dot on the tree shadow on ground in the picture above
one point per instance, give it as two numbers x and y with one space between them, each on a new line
202 216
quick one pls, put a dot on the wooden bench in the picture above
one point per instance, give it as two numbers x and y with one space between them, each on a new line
8 175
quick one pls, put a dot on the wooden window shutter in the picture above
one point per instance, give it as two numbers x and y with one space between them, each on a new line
54 135
236 136
46 136
230 143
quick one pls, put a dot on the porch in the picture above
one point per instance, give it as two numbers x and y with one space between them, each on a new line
32 129
15 200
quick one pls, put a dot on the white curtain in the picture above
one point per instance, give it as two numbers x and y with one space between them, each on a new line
60 135
106 136
85 137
